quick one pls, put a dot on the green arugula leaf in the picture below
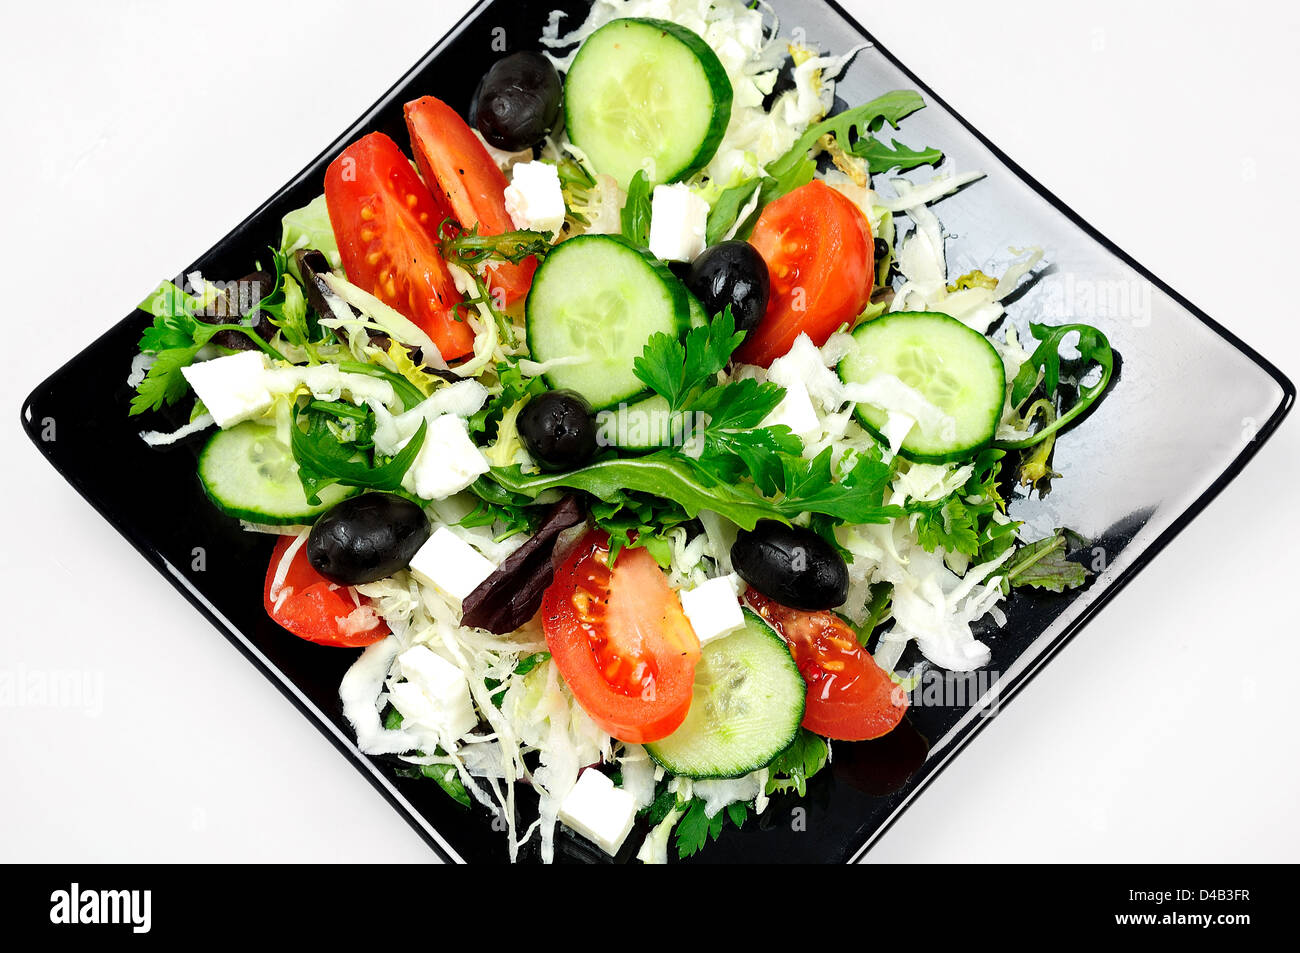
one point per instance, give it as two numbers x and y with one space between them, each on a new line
1045 364
661 474
853 129
791 769
882 158
635 217
1043 565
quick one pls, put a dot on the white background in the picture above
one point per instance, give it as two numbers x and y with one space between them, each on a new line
136 134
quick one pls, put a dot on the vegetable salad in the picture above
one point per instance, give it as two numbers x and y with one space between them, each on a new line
631 426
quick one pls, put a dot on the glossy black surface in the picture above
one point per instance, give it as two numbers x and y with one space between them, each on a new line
1197 401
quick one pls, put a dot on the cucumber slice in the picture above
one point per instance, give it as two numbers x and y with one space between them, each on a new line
646 424
599 298
748 703
647 94
953 367
249 474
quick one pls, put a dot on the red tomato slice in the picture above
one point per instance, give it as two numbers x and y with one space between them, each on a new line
621 640
453 161
386 222
315 609
821 261
850 698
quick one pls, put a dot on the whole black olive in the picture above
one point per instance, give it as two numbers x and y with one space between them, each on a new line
731 273
559 430
367 537
517 102
792 565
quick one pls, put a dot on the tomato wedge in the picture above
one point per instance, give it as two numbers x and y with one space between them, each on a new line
454 162
621 640
386 222
315 609
821 260
850 698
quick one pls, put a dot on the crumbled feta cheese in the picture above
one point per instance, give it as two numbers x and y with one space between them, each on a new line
599 811
678 221
448 461
233 388
435 698
534 198
450 564
795 411
713 608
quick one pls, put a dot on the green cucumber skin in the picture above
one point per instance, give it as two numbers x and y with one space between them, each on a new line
677 291
754 625
956 455
301 517
714 71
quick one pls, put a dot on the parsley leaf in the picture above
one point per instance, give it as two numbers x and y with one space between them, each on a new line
680 371
696 829
854 498
791 769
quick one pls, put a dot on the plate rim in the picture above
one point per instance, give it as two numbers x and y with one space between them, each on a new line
962 734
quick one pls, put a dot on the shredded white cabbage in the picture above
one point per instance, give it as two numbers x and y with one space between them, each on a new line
155 438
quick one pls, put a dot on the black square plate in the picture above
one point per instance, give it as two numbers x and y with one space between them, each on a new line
1198 402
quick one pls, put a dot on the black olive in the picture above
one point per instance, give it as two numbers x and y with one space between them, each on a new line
559 430
882 250
367 537
517 102
731 273
233 306
792 565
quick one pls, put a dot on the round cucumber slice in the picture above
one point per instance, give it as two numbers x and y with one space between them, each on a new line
647 94
952 366
248 472
595 302
747 706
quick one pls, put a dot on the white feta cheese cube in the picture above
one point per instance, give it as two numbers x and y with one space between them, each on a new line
795 411
713 607
233 388
678 220
534 198
598 811
435 697
448 460
450 564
